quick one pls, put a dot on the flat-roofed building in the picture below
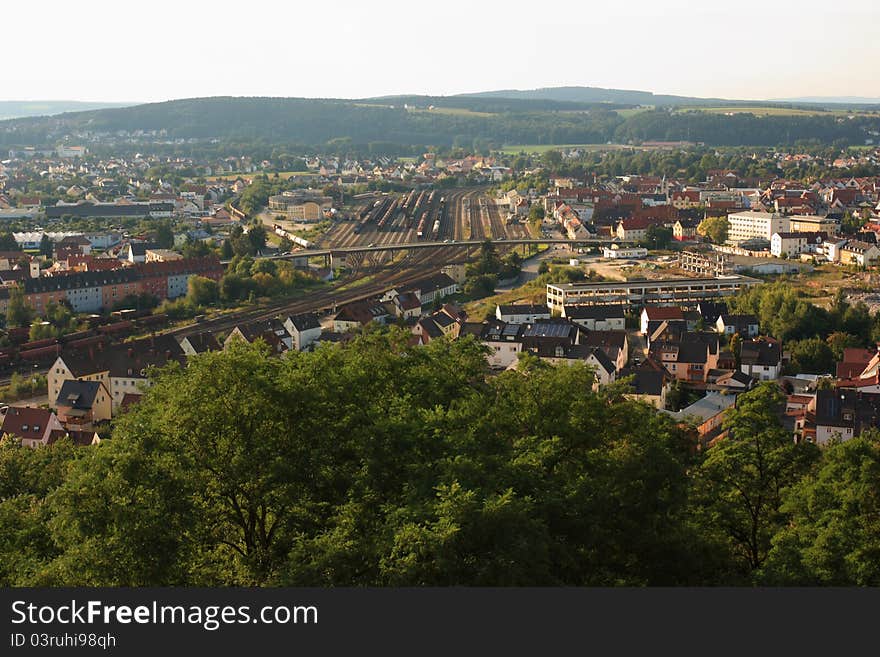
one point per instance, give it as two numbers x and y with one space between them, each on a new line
805 223
666 291
744 226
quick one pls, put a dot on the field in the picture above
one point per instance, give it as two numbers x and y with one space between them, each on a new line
626 113
452 111
771 111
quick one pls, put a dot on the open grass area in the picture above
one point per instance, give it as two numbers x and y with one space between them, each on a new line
531 292
821 284
771 111
452 111
626 113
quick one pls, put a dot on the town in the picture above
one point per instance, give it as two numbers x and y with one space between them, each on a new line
438 361
103 283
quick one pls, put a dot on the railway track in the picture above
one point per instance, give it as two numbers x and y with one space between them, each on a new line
402 272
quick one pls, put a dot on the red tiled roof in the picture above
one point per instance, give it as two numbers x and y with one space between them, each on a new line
664 312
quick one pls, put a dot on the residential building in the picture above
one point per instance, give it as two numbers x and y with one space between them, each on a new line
839 414
707 414
122 368
793 244
743 226
860 254
597 318
521 313
304 329
432 288
745 325
615 344
650 383
36 427
199 343
360 313
761 358
659 314
82 403
272 331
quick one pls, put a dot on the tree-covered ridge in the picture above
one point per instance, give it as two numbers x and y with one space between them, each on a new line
381 464
483 120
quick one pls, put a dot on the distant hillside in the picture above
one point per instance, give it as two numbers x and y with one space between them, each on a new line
13 109
597 95
833 100
414 121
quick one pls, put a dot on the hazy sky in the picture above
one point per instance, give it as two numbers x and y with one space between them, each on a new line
158 50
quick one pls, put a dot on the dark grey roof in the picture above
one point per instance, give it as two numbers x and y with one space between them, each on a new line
848 408
525 309
305 321
604 339
711 310
430 327
85 279
107 209
431 283
78 394
550 329
126 359
610 311
140 248
761 352
645 381
202 342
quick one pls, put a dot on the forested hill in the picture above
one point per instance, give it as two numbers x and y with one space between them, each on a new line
423 120
597 95
12 109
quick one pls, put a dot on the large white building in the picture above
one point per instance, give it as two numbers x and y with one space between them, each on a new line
668 291
793 244
744 226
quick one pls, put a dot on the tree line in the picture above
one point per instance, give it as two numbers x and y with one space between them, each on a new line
315 122
380 464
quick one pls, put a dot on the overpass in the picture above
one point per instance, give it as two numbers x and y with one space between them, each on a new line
390 249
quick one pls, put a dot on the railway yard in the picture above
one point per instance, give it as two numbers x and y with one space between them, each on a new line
428 215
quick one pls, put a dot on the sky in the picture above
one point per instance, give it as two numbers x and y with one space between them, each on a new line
99 50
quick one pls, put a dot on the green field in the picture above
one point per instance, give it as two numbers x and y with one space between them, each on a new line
771 111
626 113
452 111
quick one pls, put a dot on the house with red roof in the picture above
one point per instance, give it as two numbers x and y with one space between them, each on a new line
35 427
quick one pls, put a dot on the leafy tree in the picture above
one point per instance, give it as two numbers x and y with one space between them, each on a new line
833 537
811 355
657 237
739 486
481 285
164 235
18 312
226 251
257 238
838 341
714 229
46 245
8 243
202 291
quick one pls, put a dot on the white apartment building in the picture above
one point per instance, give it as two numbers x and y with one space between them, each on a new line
750 225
